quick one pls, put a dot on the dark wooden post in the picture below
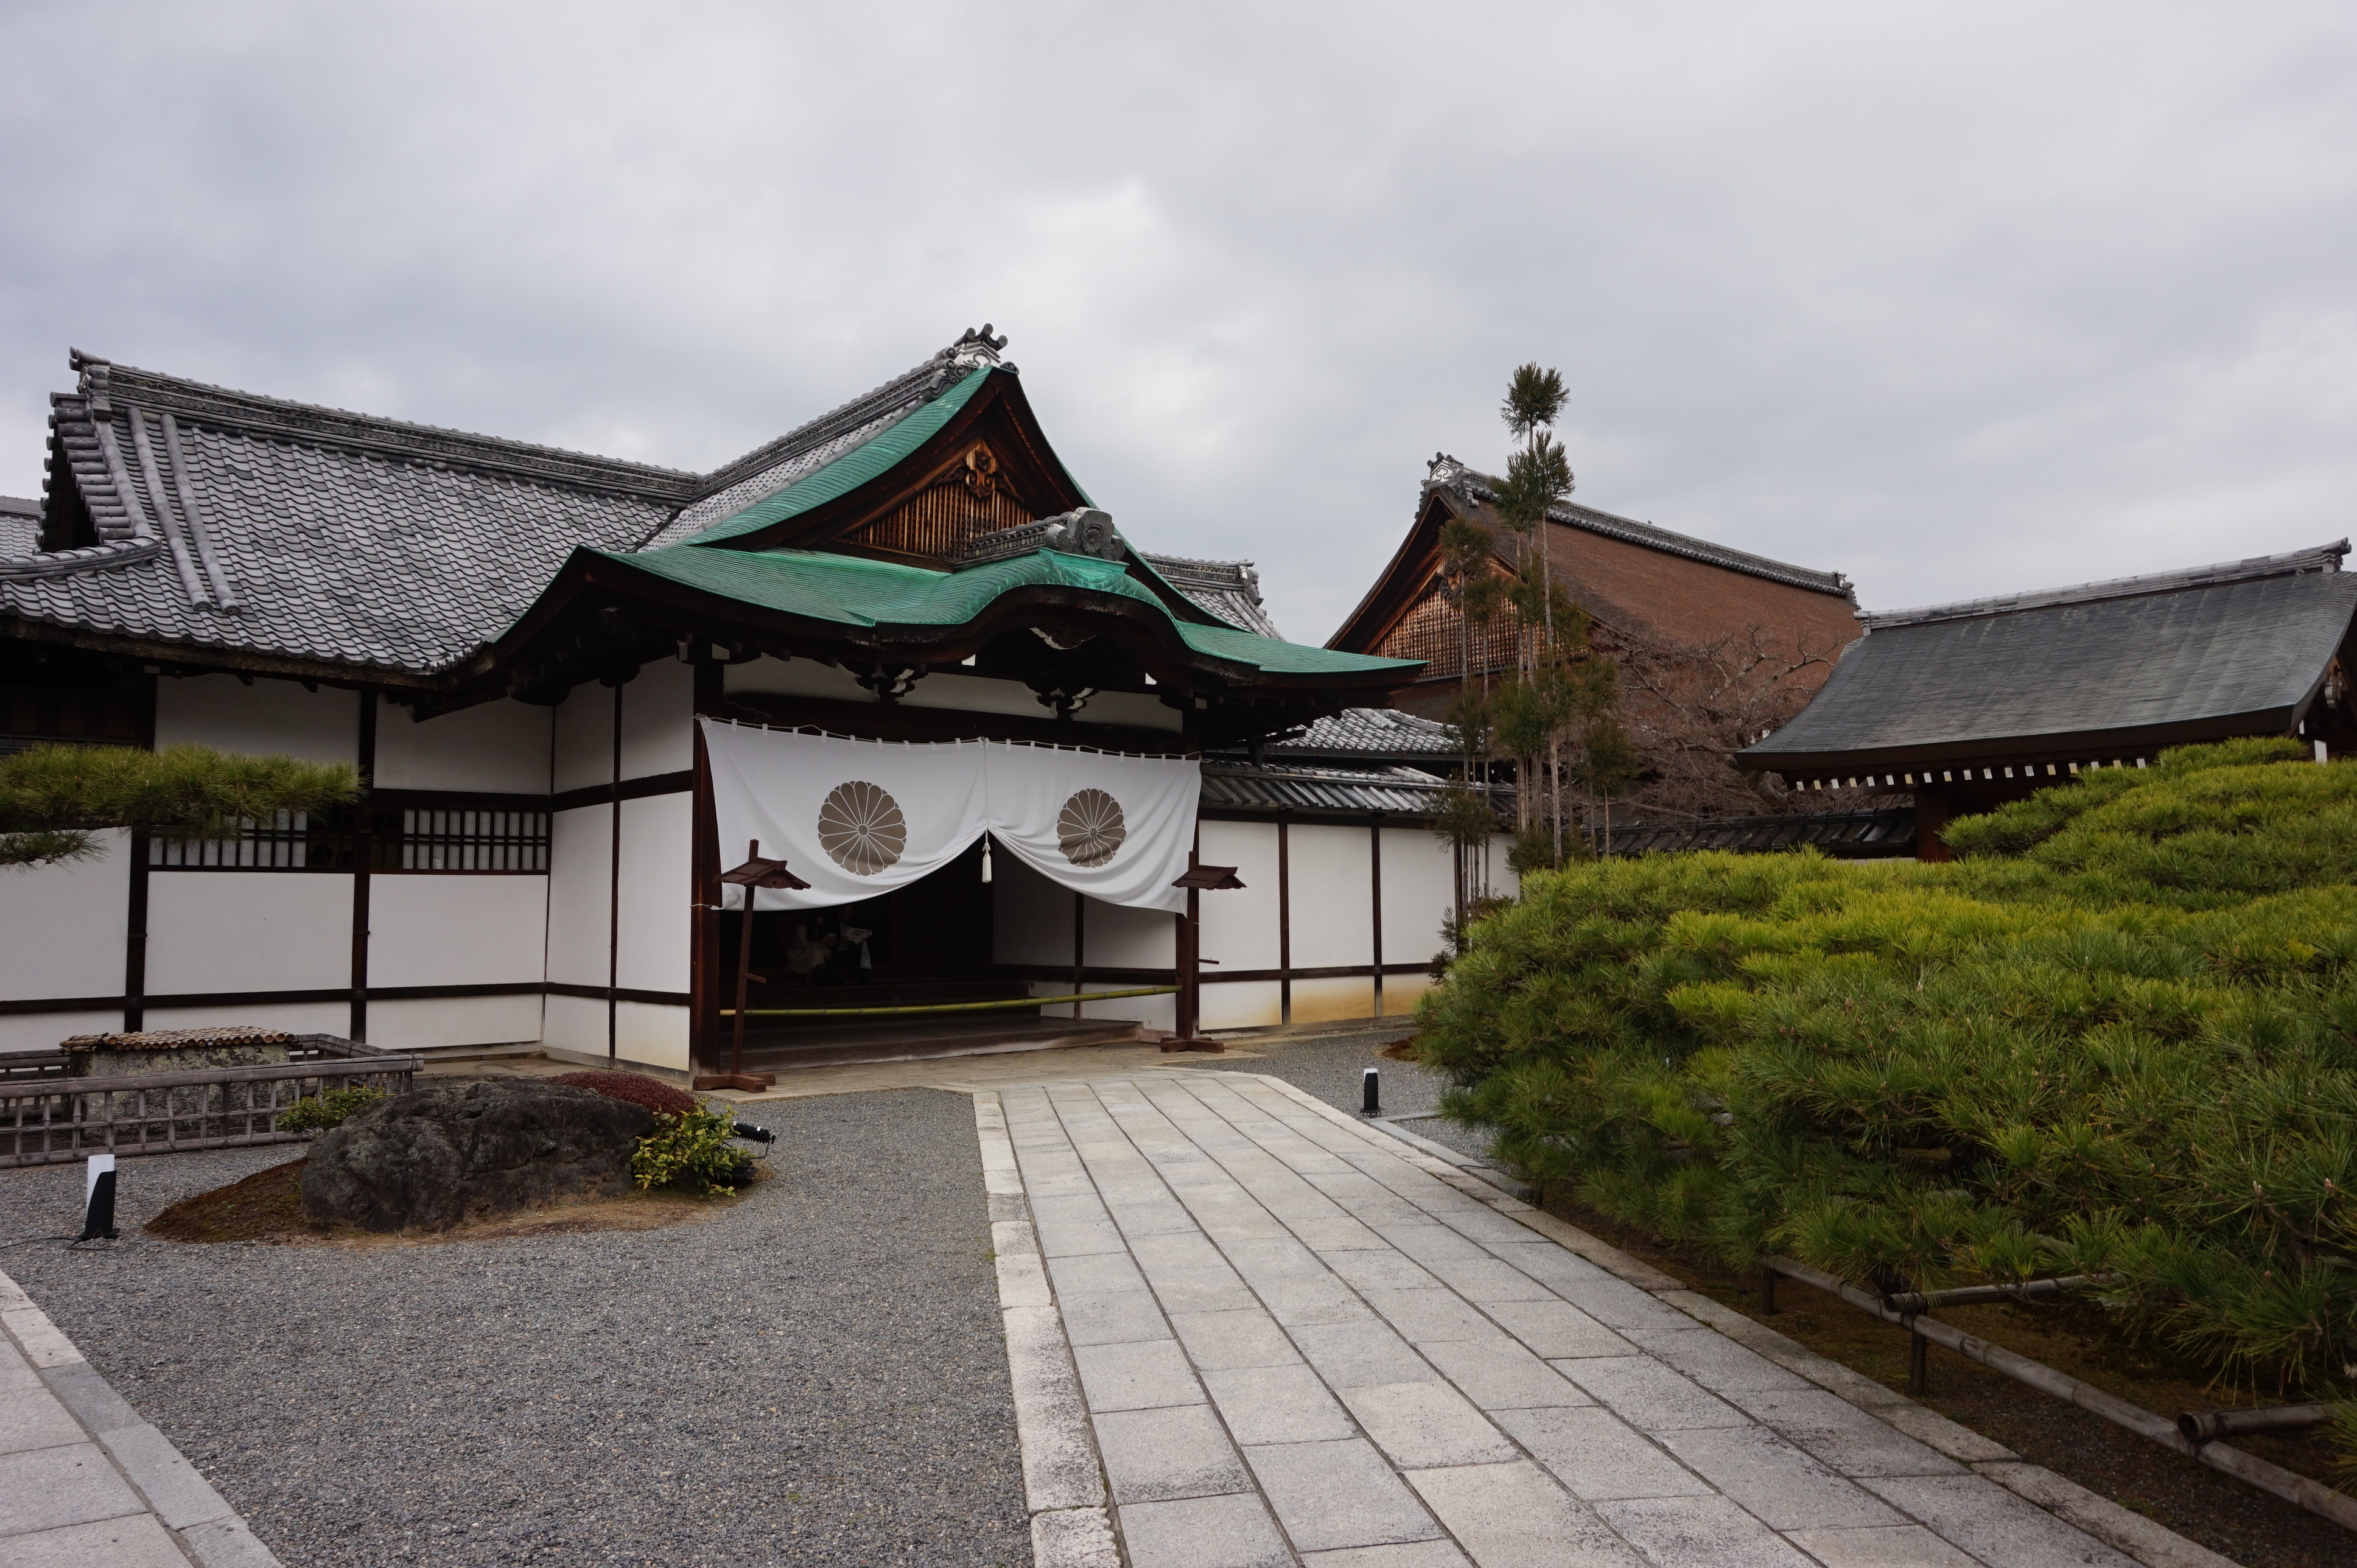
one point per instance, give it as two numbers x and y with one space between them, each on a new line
1284 923
363 855
614 896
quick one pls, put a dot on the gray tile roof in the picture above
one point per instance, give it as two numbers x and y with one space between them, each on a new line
1887 832
2221 650
1369 732
1292 787
222 520
1229 589
1447 471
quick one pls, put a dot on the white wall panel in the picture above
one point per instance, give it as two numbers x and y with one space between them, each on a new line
499 747
1400 991
62 927
1137 710
295 1017
43 1031
269 718
455 930
574 1024
1248 1004
1419 891
579 895
658 721
1240 927
657 888
652 1036
1320 1001
582 737
1333 916
424 1024
976 694
794 677
248 930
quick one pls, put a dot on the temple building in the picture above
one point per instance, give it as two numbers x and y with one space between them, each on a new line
1965 706
1713 645
899 646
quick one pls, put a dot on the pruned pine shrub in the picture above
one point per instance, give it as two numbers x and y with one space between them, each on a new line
2118 1036
636 1088
690 1151
318 1112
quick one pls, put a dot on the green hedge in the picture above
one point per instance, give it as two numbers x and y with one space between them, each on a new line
2119 1035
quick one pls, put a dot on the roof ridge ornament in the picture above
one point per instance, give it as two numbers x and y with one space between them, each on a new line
977 349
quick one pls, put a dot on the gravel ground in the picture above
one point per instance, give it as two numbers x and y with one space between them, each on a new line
816 1375
1329 1067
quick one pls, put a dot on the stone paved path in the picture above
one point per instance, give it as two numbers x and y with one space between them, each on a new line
1271 1335
85 1482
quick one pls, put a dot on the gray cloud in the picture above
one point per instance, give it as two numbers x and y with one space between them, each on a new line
1956 299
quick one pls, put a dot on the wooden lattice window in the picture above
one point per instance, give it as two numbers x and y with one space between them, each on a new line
388 839
1433 631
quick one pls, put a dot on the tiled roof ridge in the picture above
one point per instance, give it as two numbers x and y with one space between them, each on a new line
1409 777
90 558
22 506
2319 558
919 385
1448 472
103 381
1196 564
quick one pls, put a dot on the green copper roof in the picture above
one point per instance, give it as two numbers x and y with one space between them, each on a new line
851 470
850 590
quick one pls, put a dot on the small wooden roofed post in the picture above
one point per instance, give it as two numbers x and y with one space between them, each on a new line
1968 706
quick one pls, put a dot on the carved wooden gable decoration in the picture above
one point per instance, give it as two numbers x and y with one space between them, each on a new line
1432 629
971 494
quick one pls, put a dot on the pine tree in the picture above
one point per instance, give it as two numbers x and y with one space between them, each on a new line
53 798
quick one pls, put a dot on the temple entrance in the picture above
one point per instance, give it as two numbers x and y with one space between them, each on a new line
909 973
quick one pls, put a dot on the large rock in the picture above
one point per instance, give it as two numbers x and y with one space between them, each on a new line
448 1153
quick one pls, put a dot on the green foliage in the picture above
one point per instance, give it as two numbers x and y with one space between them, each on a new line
1534 397
318 1112
53 797
690 1151
2119 1035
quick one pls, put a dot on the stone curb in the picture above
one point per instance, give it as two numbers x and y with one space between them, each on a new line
2122 1528
1063 1478
200 1520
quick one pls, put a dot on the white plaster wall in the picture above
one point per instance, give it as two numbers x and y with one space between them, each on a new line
580 859
455 930
1139 709
1120 938
295 1017
1318 1001
652 1036
581 738
977 694
248 930
1419 891
1248 1004
574 1023
43 1031
1400 991
272 717
794 677
422 1023
62 927
500 747
1240 925
658 722
657 888
1333 917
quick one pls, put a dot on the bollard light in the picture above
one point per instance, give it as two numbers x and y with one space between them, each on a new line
1371 1092
98 1199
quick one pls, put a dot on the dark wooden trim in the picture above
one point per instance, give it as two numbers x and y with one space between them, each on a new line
1333 971
20 1008
620 993
614 894
1337 816
906 721
703 885
135 923
1375 898
1284 920
360 879
637 788
464 800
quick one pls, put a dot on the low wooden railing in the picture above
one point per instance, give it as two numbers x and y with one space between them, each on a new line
47 1118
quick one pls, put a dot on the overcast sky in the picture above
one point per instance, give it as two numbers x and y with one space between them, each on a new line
1956 299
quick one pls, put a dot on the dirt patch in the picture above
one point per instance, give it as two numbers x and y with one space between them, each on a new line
267 1206
2242 1522
1399 1050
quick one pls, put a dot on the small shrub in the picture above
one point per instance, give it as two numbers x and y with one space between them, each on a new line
321 1111
635 1088
690 1151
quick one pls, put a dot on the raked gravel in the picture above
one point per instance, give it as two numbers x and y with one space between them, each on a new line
816 1375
